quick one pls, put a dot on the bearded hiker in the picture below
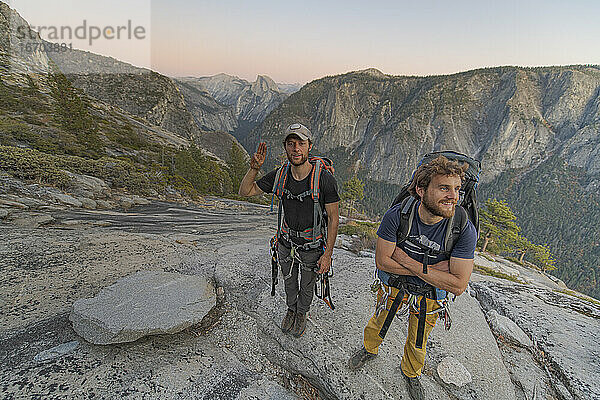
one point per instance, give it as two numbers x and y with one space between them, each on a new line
308 219
417 263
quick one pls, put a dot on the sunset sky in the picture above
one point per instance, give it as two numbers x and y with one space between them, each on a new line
304 40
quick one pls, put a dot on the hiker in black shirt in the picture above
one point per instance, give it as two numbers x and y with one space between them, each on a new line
301 249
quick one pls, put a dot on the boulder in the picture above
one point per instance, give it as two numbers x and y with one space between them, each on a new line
145 303
88 186
14 204
125 201
3 213
88 203
139 201
66 199
104 204
32 221
343 241
366 253
451 371
21 200
505 327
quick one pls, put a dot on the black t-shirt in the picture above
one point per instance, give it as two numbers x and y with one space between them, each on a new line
298 214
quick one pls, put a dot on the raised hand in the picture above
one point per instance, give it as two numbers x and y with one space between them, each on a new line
258 158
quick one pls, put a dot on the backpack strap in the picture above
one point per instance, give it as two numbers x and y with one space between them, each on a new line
317 232
280 179
407 215
278 185
314 186
455 226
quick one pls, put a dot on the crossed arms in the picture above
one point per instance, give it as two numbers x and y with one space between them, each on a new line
452 275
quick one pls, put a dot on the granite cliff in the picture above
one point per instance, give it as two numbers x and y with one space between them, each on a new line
534 129
249 102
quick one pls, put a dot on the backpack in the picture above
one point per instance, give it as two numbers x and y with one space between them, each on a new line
466 206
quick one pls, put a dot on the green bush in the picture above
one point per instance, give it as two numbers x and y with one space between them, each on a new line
34 165
491 272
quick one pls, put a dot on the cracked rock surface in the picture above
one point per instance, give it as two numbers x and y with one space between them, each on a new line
237 353
564 329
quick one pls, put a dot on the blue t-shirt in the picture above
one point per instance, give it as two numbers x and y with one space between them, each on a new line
463 248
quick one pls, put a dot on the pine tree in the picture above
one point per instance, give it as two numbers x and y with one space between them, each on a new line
523 246
498 225
353 190
238 165
544 258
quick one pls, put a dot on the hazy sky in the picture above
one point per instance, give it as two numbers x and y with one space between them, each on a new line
303 40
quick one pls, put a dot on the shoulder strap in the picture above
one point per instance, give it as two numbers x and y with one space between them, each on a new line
407 215
278 184
280 178
314 187
455 226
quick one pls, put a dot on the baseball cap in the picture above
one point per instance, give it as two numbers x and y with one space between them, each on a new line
299 130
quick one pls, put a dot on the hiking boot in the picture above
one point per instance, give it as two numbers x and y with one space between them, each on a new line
288 321
414 387
360 358
299 325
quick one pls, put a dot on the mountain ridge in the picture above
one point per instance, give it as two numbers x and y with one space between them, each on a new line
515 120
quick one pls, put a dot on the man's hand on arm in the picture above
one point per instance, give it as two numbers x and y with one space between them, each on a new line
452 276
333 221
384 260
248 186
404 259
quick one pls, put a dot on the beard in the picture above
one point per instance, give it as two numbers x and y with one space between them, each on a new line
436 209
302 160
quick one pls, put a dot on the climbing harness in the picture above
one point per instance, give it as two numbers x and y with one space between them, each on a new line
412 292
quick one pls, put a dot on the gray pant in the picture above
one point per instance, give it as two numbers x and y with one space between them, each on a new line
298 298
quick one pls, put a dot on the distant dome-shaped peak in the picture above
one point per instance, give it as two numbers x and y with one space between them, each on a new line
265 83
372 71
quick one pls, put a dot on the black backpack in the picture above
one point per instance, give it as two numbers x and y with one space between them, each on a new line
467 203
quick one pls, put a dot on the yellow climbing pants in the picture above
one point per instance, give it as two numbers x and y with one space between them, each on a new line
413 358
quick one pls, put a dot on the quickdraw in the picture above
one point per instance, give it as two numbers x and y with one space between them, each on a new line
323 289
274 264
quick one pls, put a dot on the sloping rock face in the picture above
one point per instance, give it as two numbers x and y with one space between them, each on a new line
563 327
322 353
155 98
19 56
139 91
145 303
209 114
148 95
242 353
